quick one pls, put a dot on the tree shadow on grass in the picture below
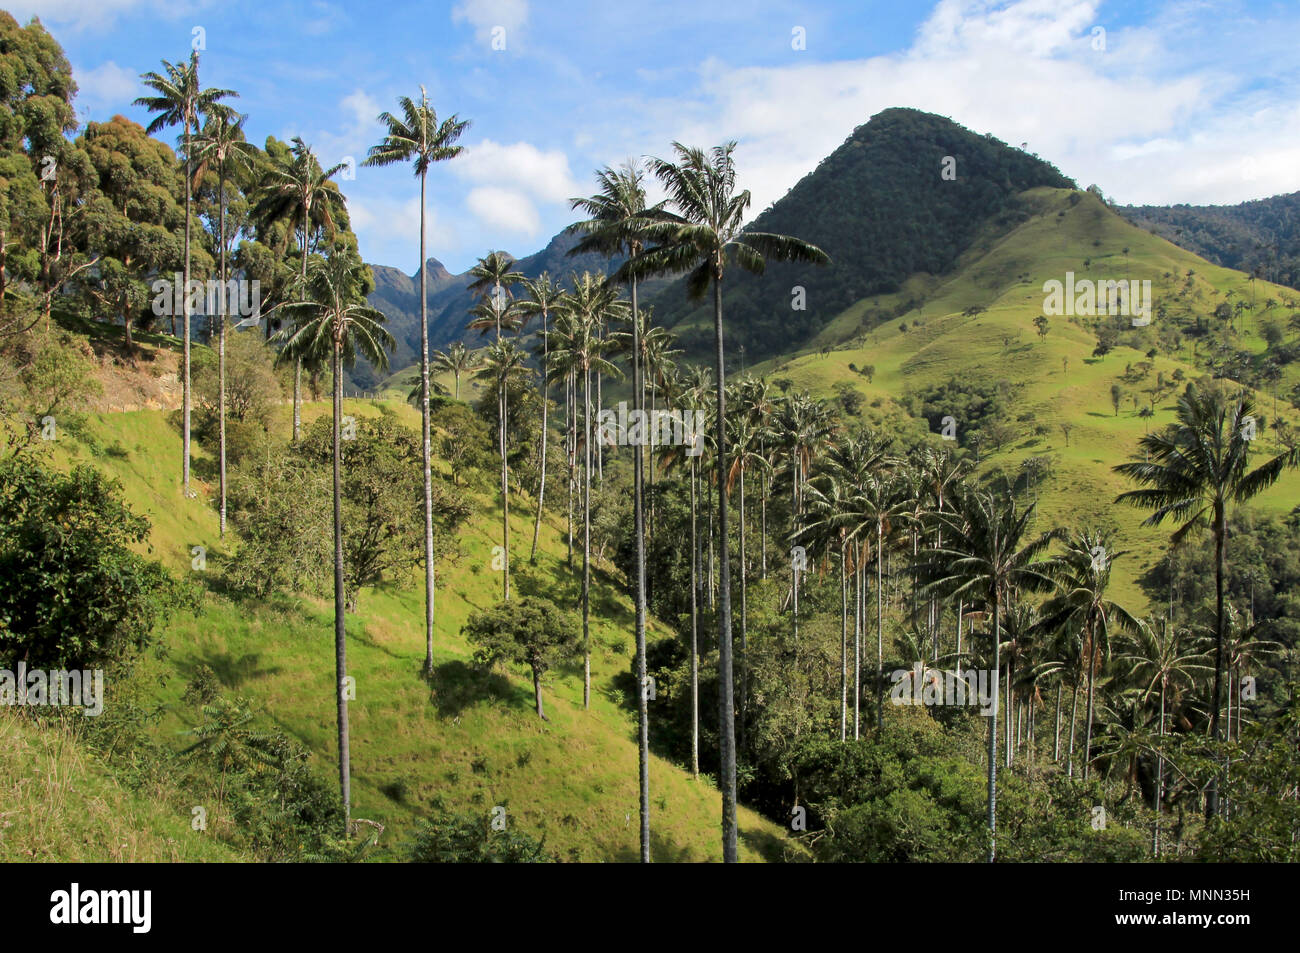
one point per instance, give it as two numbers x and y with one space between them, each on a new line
773 849
455 686
232 670
662 850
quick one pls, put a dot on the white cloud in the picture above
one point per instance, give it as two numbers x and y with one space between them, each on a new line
504 209
106 87
1142 118
520 166
92 15
358 114
485 15
400 217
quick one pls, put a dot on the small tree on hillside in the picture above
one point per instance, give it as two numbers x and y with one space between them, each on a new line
531 631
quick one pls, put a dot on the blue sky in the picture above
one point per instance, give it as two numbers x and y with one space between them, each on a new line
1156 102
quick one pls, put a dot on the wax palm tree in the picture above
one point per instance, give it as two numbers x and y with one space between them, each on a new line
333 318
504 363
221 145
616 222
576 348
703 239
756 402
1082 572
1165 660
456 360
297 185
544 296
494 275
181 100
1193 473
859 466
745 434
828 500
987 554
417 137
695 397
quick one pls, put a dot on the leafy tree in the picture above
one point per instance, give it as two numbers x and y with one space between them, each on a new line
132 218
529 631
469 839
76 594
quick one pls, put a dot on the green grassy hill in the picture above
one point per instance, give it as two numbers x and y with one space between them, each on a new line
58 802
1056 379
471 743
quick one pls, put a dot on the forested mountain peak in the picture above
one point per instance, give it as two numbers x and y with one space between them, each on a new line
907 192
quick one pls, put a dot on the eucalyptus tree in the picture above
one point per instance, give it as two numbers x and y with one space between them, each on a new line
544 296
456 360
576 347
221 145
299 184
987 555
1193 473
418 138
504 363
1082 573
616 224
333 318
180 100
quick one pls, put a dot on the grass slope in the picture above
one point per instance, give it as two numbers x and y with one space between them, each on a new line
1005 275
471 742
60 803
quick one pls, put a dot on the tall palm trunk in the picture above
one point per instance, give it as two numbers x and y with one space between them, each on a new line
859 625
427 445
571 450
794 565
880 638
1056 742
1160 776
297 364
1087 731
993 724
1220 538
726 700
744 619
844 641
340 643
638 515
185 311
695 628
221 344
541 485
1074 717
586 539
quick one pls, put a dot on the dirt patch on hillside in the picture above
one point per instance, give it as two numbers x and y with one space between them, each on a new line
148 380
